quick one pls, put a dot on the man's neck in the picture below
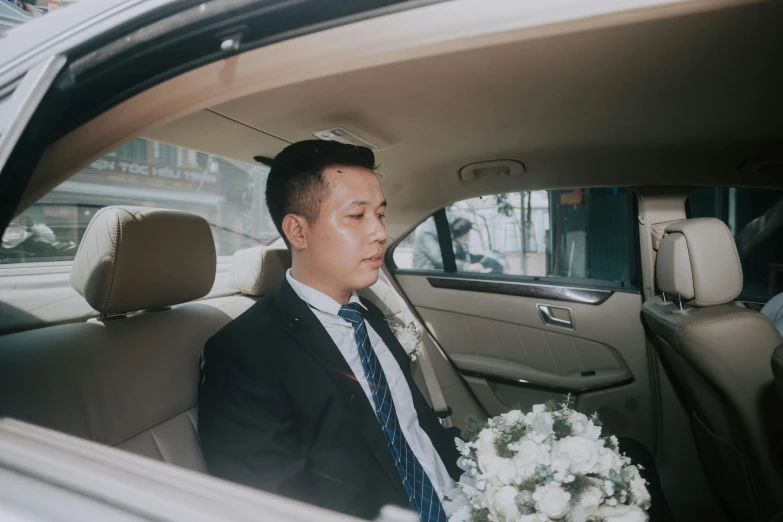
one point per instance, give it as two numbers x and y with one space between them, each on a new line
342 296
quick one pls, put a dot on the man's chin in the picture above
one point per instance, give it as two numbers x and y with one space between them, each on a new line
368 277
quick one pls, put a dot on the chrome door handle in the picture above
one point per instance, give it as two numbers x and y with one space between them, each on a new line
545 311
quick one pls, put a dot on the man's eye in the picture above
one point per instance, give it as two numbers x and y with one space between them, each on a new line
356 216
381 216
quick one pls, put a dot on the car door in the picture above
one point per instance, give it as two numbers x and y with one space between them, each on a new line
536 296
19 98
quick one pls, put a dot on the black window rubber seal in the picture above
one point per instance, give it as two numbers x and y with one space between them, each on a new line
444 238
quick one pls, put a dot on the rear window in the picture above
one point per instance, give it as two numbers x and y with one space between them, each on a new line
583 235
229 194
755 218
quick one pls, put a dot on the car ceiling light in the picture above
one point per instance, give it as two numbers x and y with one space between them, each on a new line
343 135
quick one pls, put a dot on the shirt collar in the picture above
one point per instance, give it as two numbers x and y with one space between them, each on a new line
316 299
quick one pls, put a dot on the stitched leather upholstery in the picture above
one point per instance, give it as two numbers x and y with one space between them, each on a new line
127 381
260 270
718 358
136 258
698 260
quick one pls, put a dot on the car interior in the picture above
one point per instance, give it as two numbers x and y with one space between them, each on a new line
619 170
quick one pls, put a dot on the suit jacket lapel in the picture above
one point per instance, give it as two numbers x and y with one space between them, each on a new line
305 328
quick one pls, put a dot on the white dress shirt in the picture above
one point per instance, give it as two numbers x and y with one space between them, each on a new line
327 311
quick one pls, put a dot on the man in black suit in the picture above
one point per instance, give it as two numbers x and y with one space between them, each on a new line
309 394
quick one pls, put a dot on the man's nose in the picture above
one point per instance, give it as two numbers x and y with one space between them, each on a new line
378 232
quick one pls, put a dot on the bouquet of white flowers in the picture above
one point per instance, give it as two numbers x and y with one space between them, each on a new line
551 464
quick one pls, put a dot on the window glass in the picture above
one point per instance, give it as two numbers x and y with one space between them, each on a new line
573 234
755 218
420 250
229 194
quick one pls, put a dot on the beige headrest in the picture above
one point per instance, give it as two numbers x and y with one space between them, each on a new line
698 259
259 270
137 258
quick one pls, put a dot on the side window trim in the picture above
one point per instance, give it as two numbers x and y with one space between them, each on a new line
21 107
24 101
504 279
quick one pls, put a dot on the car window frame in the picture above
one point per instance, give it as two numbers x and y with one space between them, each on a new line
634 285
121 29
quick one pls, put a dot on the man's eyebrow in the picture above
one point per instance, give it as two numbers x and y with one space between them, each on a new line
362 203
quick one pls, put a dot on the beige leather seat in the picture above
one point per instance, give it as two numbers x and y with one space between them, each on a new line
130 378
254 273
717 355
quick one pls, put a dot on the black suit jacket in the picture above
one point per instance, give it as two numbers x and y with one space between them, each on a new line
280 410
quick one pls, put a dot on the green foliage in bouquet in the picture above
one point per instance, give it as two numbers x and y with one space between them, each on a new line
480 515
510 435
473 426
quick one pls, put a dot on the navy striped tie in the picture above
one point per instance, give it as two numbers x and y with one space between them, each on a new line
421 495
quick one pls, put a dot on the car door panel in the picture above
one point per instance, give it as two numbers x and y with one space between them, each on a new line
509 356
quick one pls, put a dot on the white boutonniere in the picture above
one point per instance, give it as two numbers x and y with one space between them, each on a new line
408 335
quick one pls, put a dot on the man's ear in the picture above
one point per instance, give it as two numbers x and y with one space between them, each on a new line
295 228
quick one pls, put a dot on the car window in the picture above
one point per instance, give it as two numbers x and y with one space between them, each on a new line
229 194
755 218
576 234
420 250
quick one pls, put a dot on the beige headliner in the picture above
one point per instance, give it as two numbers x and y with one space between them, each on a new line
674 94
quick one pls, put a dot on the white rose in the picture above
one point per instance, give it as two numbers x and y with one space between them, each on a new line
485 444
591 431
541 425
591 497
505 504
495 469
639 488
552 501
622 513
539 408
582 454
588 505
607 459
461 515
513 417
579 422
561 466
529 456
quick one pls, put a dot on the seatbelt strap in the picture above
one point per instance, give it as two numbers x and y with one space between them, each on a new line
434 390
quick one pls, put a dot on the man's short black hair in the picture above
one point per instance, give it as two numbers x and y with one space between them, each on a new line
296 184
